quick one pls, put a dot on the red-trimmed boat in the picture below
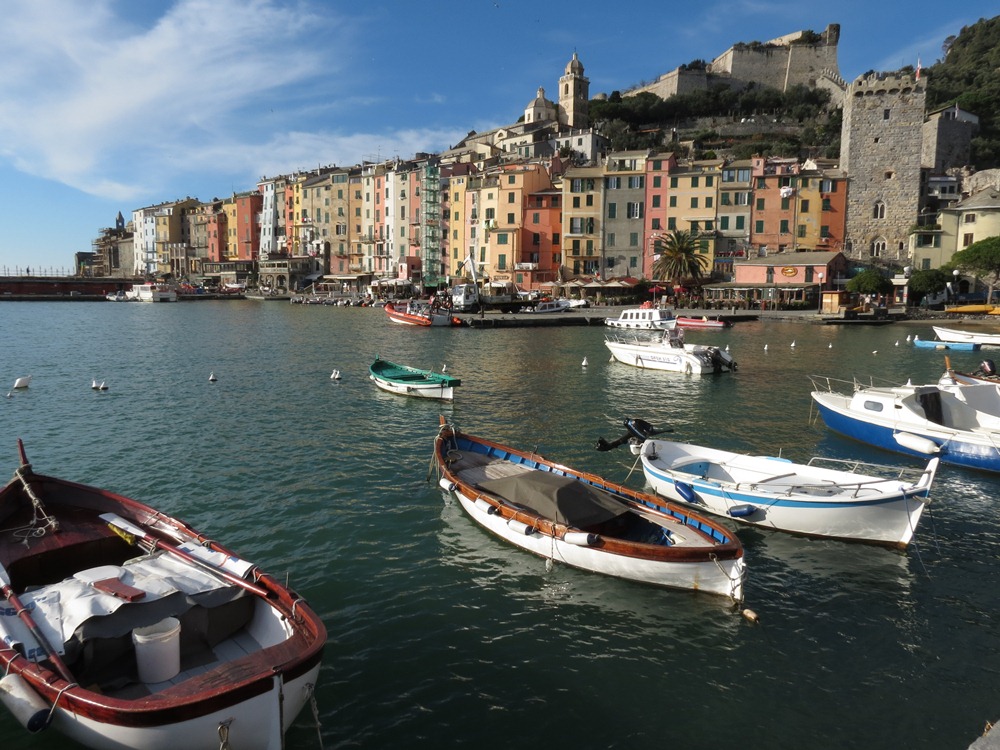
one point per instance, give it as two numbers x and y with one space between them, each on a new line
420 314
125 628
702 322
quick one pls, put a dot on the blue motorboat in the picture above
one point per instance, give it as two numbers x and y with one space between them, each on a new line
958 422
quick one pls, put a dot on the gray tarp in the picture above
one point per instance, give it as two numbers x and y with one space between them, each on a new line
562 499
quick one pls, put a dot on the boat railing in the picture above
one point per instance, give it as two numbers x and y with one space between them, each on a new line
883 471
855 384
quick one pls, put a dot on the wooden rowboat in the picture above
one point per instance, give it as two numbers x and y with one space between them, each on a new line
125 628
410 381
584 521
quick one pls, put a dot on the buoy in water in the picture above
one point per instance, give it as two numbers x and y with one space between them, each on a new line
749 615
24 703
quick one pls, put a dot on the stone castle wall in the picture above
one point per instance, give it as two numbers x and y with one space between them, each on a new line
779 64
881 150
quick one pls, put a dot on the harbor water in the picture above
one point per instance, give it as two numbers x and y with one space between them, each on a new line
443 636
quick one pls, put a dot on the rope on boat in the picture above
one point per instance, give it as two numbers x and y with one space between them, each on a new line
41 521
52 711
314 705
224 734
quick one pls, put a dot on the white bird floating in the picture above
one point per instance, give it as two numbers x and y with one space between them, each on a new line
875 352
793 345
335 375
830 345
102 386
907 338
22 382
211 377
916 337
765 347
584 362
897 343
444 368
727 347
94 385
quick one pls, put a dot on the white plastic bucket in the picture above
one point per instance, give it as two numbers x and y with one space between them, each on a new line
158 650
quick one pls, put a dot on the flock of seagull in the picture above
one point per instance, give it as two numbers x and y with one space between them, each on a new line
22 383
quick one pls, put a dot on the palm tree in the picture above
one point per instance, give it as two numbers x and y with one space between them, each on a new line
679 258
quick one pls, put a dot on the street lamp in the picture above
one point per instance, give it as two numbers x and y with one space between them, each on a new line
954 289
820 303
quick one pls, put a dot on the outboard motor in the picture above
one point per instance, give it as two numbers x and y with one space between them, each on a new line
987 367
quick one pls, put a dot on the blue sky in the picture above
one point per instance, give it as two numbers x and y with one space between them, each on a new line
111 105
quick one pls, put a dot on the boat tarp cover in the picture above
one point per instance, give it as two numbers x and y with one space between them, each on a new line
562 499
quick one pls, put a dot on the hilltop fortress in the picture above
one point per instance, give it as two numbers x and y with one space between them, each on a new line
802 57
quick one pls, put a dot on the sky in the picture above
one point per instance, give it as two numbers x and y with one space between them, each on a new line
113 105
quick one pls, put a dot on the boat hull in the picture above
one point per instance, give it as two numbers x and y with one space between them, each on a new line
958 346
705 323
710 561
410 381
423 319
953 335
691 359
959 448
256 723
776 494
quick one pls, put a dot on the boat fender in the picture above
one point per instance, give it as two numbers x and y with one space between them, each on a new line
742 511
24 703
580 538
485 507
446 484
520 527
750 616
916 443
686 491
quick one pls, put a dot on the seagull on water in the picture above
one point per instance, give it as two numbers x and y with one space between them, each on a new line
444 368
584 363
793 345
875 352
335 375
908 338
94 384
830 345
211 377
765 347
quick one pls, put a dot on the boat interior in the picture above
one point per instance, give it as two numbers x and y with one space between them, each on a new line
550 494
89 616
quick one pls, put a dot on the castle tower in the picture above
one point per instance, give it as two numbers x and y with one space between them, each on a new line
574 95
880 150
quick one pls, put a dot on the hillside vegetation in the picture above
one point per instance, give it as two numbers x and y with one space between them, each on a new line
806 121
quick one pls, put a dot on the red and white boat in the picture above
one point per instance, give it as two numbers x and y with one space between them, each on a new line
419 314
702 322
125 628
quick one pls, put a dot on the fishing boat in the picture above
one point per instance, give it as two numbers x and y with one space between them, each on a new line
958 423
584 521
703 322
643 319
825 497
419 314
126 628
670 353
410 381
954 335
